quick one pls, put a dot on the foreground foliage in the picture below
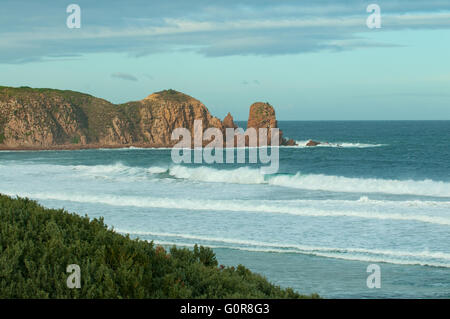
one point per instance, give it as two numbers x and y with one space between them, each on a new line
37 244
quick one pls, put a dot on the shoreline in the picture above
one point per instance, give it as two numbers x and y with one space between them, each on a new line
71 147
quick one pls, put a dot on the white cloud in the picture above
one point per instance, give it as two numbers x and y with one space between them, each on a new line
220 28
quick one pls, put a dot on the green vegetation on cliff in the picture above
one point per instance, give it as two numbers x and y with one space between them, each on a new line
173 95
56 118
64 113
37 244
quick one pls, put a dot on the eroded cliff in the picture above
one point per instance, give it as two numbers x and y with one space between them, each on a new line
53 119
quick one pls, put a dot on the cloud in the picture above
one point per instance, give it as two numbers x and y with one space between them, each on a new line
212 28
254 82
124 76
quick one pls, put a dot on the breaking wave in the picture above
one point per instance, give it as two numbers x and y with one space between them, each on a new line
340 144
251 206
424 258
246 175
322 182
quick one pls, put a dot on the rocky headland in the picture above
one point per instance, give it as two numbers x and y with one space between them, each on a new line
55 119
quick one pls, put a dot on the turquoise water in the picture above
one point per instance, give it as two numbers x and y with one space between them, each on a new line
378 193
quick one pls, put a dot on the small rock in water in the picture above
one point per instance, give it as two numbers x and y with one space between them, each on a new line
312 143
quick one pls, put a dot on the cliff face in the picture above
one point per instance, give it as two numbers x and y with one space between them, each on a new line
44 118
262 115
228 121
161 113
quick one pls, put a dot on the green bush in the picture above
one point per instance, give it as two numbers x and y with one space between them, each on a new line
75 140
37 244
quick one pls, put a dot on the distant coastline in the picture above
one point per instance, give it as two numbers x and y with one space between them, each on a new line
72 147
45 119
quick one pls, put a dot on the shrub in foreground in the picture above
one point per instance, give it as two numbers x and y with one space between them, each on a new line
37 244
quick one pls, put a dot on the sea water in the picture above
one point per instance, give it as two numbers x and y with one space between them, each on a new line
377 193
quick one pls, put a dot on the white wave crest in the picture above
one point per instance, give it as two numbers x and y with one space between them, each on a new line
362 185
157 170
340 144
425 258
235 206
242 175
245 175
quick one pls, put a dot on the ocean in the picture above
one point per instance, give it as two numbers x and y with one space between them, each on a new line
377 193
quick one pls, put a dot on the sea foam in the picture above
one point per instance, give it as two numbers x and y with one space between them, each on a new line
247 175
424 258
269 207
339 145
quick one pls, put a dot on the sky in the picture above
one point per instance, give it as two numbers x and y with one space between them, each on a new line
312 60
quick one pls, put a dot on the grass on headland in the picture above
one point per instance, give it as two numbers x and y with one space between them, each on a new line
37 244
